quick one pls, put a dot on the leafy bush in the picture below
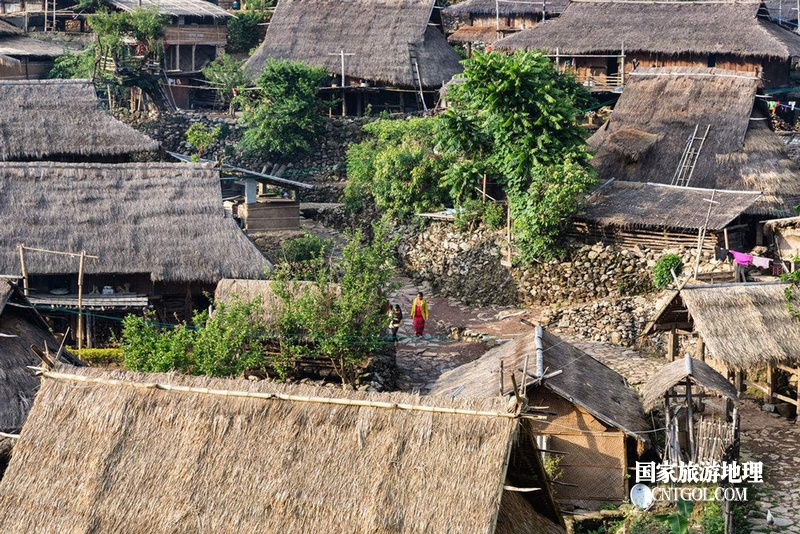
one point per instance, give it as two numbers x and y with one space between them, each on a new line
227 75
662 271
306 248
713 522
494 215
100 356
285 116
72 65
647 524
144 26
200 138
243 34
396 169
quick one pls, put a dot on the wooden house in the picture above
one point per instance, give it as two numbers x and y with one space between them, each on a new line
160 453
739 328
602 41
23 57
36 124
154 235
386 54
716 115
594 419
660 216
477 22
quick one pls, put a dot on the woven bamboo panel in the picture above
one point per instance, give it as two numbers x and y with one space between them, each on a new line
595 464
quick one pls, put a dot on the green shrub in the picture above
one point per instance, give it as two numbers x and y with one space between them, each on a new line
662 271
304 248
243 34
200 138
494 215
72 65
105 356
647 524
713 522
227 76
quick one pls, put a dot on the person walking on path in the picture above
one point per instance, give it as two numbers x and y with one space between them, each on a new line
419 314
396 315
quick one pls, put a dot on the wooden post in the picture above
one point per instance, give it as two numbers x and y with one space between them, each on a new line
770 382
194 49
672 344
502 385
24 269
701 348
484 187
80 299
690 418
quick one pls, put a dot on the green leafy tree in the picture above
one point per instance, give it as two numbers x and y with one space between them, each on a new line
679 521
243 34
116 30
73 65
228 77
284 117
201 138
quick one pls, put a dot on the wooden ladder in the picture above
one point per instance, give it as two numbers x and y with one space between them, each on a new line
415 77
683 174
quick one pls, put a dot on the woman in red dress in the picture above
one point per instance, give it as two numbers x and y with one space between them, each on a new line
419 314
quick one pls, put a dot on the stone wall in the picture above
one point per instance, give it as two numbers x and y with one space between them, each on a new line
324 166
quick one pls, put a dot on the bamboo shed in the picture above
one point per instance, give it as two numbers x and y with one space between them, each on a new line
645 140
23 57
603 41
741 328
386 54
594 419
171 454
61 120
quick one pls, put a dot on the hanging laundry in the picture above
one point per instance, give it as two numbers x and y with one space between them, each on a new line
761 263
741 258
720 253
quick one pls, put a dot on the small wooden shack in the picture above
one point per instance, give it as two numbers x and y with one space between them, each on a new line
645 140
391 55
740 328
602 41
659 216
282 458
594 419
23 57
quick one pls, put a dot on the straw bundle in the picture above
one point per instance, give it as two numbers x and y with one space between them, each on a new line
123 458
377 32
667 377
739 153
158 218
666 28
41 119
584 381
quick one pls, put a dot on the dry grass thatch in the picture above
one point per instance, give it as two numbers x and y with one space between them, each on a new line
248 290
40 119
377 32
517 517
7 29
17 384
699 372
739 154
507 8
165 219
19 46
174 8
633 204
584 381
140 459
667 28
744 325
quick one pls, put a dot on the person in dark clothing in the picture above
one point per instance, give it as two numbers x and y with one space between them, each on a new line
396 321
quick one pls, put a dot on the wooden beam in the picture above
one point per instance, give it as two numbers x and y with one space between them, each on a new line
80 300
24 268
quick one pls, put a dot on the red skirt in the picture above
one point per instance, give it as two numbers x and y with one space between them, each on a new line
419 325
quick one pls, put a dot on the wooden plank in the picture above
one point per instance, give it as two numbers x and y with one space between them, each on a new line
785 399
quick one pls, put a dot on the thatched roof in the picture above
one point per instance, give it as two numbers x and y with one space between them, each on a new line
130 455
741 153
377 32
174 8
20 327
158 218
507 7
584 381
668 28
20 46
41 119
248 290
743 325
7 29
700 374
633 204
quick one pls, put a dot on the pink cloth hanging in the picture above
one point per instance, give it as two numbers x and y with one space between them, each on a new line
761 263
741 258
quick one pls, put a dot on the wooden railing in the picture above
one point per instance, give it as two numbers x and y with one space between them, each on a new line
601 82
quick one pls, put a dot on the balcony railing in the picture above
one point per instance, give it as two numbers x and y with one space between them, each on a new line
601 82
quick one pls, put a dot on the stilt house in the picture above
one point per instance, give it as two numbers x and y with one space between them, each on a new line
23 57
384 54
594 419
281 458
602 41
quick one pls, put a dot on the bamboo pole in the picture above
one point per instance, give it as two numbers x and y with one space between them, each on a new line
73 254
690 418
80 299
24 268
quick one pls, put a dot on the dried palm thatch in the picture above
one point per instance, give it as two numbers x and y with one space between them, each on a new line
740 153
19 329
248 290
174 8
517 517
123 455
700 374
507 8
584 381
7 29
18 46
163 219
633 204
666 28
41 119
379 34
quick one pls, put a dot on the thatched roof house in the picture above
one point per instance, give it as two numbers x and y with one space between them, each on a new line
20 328
23 57
730 35
698 372
592 410
160 219
174 8
266 457
480 21
385 39
646 135
62 119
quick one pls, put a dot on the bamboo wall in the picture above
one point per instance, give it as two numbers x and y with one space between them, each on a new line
649 238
